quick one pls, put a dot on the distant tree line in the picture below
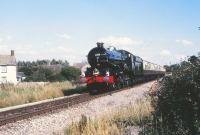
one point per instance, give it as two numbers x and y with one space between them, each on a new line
174 67
171 68
42 62
48 70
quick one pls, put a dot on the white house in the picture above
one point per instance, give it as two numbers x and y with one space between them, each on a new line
8 68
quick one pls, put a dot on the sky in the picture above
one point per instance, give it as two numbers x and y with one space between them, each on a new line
163 32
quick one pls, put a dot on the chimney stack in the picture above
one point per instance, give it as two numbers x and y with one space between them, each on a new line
12 53
100 44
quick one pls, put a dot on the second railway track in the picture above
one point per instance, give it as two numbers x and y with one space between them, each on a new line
16 114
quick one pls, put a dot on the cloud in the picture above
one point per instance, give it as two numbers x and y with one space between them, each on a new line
64 36
8 37
61 49
1 40
184 42
5 38
112 40
165 53
180 56
66 53
26 50
4 49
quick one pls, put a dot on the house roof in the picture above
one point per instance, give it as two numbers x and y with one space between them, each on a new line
8 60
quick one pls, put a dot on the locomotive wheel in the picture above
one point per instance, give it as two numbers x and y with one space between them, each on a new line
120 82
112 87
94 88
118 86
127 83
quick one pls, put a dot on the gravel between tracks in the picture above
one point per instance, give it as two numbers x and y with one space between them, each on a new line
53 123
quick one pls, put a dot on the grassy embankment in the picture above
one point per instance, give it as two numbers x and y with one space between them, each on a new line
11 95
113 123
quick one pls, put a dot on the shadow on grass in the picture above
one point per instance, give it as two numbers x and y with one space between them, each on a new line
77 90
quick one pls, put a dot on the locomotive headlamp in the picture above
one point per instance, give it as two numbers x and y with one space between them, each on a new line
107 73
96 72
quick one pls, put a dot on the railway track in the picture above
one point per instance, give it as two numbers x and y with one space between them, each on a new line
16 114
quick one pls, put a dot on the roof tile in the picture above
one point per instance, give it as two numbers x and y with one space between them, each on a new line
8 60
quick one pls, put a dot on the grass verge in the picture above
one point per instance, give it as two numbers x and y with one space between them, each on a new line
11 95
114 123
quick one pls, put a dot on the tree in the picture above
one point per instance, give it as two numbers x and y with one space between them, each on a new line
54 62
171 68
26 70
42 74
71 73
45 70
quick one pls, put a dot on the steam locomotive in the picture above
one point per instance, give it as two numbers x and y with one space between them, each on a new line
113 69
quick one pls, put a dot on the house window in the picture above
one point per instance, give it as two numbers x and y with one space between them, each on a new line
3 79
4 69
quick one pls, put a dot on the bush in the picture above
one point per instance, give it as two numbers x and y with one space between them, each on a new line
71 73
27 70
178 104
57 77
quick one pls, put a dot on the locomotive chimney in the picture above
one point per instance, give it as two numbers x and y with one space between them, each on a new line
12 53
100 44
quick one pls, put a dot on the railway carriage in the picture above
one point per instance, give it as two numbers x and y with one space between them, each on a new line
111 69
152 69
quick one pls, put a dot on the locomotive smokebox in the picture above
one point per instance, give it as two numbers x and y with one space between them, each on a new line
100 44
97 54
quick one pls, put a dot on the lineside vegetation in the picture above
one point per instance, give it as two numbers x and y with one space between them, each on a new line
113 123
28 92
177 105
